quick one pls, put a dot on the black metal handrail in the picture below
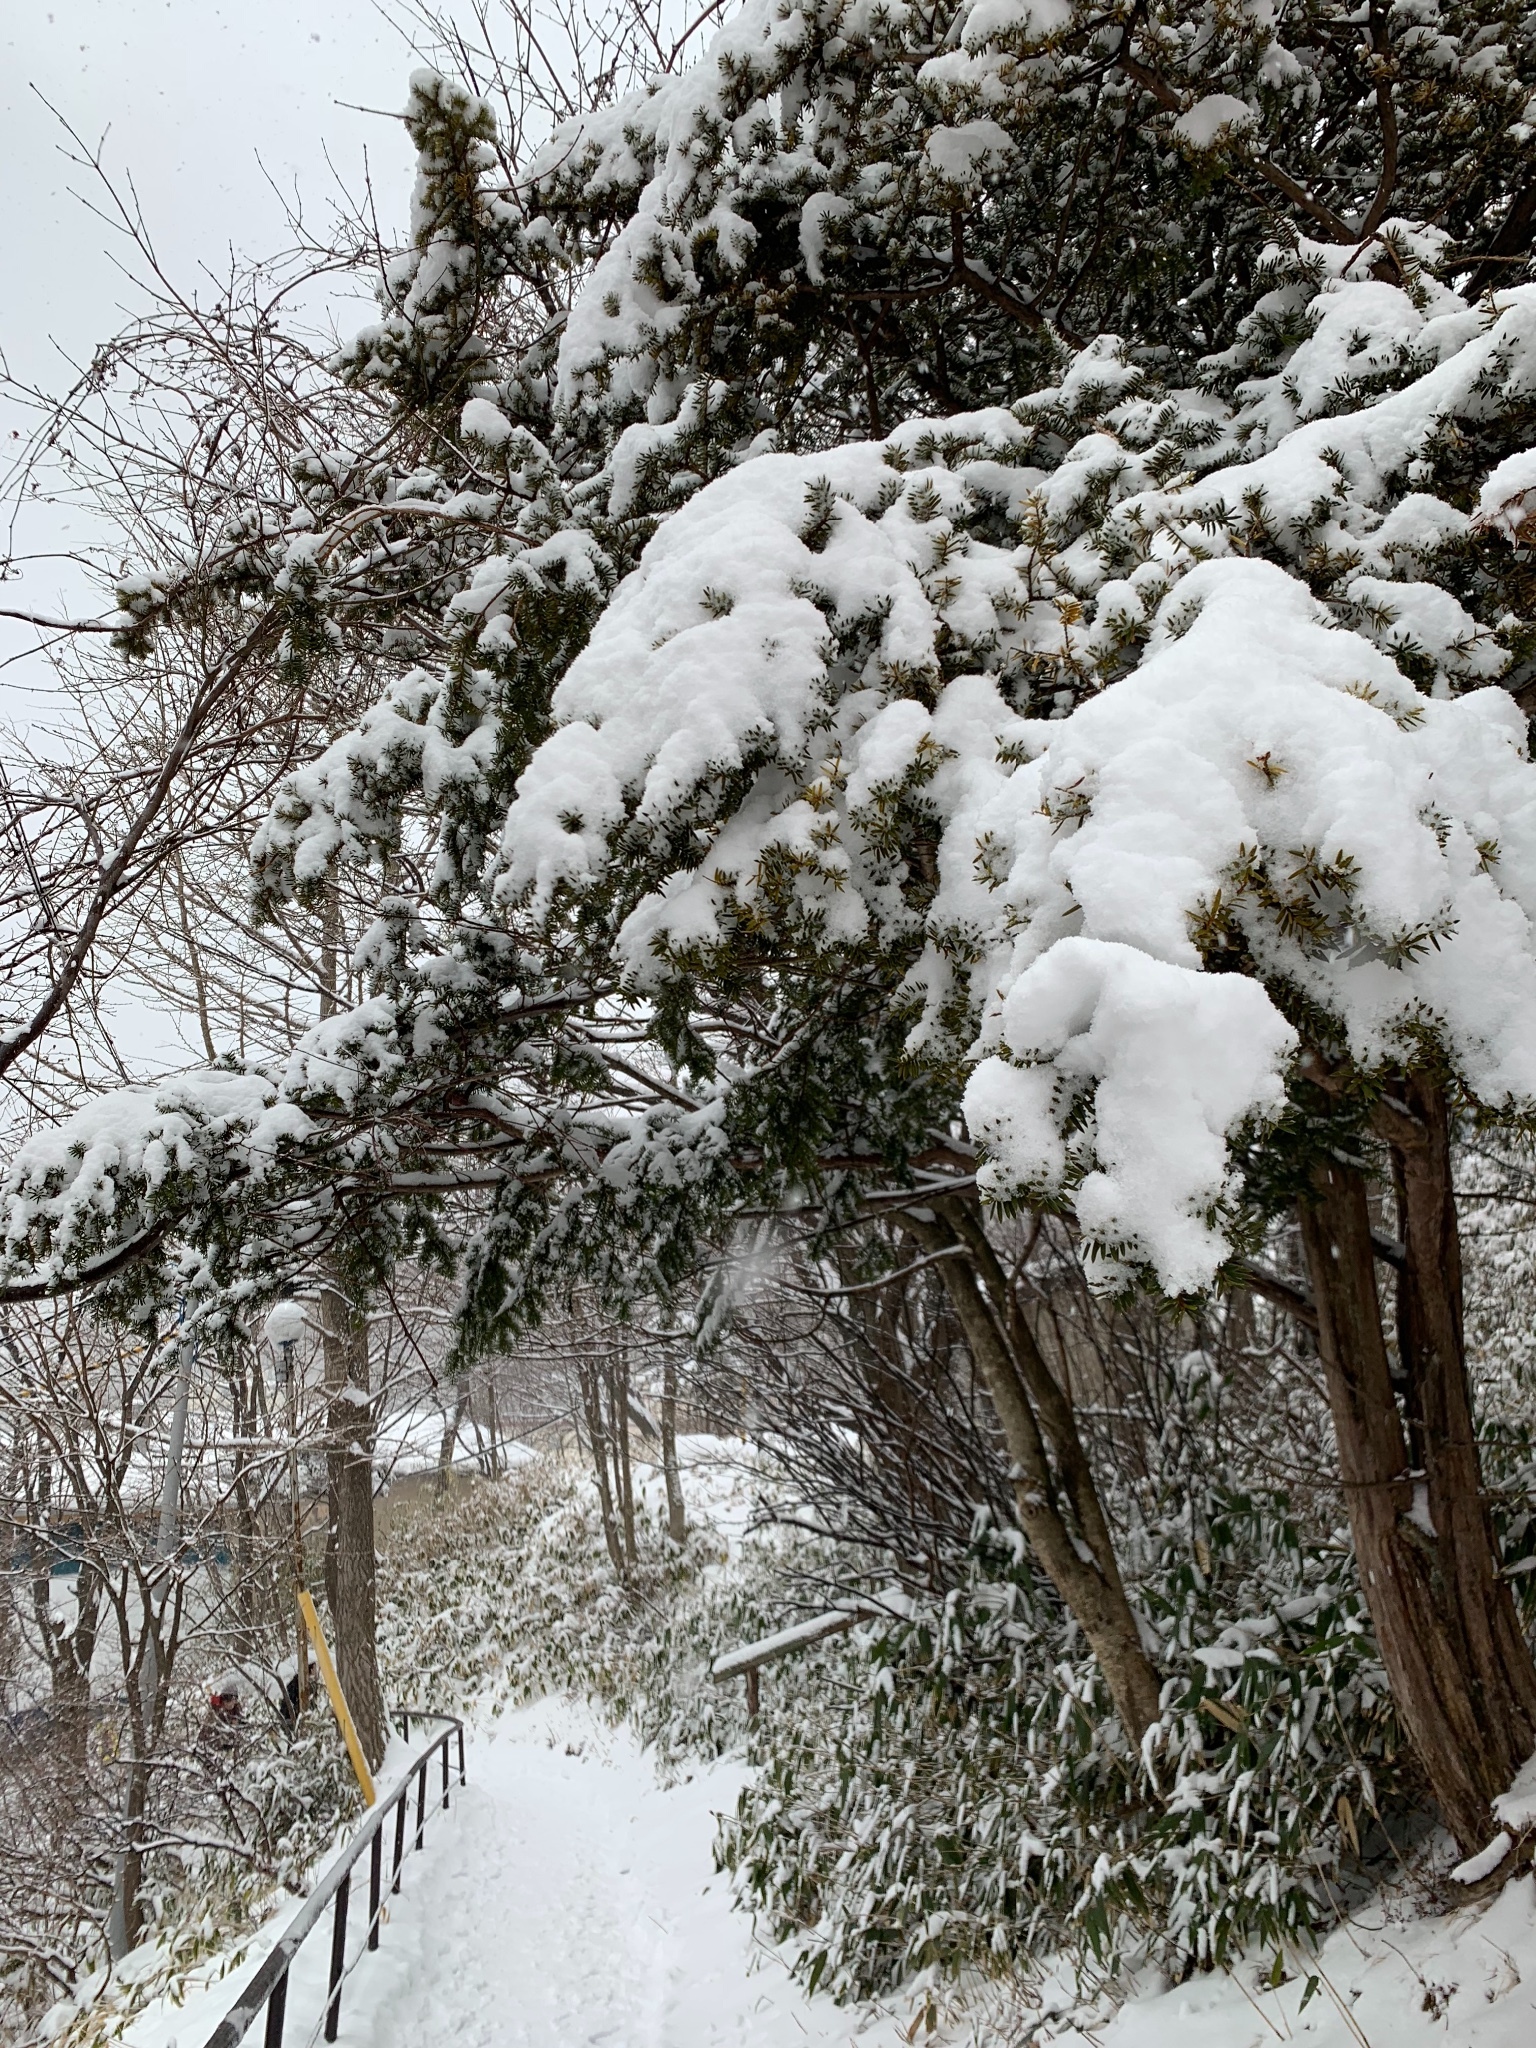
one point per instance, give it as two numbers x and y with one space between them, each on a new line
269 1986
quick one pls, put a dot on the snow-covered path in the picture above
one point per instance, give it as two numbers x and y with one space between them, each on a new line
565 1901
572 1901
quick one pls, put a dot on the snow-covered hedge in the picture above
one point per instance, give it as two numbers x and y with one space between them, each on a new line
948 1792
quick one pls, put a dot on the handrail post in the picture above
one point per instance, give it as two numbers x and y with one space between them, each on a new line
338 1957
401 1798
267 1992
375 1871
277 2005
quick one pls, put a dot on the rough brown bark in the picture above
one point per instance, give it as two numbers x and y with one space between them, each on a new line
352 1576
1474 1600
1464 1704
1055 1495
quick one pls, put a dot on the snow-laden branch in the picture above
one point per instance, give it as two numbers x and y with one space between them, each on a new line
1263 829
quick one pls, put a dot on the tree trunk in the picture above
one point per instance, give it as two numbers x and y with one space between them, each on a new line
147 1665
352 1582
1055 1495
493 1423
677 1525
1460 1676
618 1387
1474 1600
485 1456
70 1657
589 1378
246 1601
125 1917
450 1439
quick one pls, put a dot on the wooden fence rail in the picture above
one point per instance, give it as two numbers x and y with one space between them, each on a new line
748 1660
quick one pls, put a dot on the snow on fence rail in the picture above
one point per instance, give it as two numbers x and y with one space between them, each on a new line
749 1658
269 1986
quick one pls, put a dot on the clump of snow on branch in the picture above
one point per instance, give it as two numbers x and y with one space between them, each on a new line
1213 120
1173 1063
104 1174
287 1323
1265 788
758 626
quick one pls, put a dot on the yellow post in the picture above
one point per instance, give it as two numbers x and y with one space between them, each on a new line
338 1697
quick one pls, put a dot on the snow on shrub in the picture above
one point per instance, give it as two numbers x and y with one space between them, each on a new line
955 1797
949 1791
1206 669
820 655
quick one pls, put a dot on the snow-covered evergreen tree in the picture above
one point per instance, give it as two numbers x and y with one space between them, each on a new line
978 663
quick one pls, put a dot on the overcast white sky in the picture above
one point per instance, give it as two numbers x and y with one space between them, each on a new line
194 98
205 104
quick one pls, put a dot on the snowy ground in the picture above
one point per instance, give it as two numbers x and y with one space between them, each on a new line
566 1901
1466 1981
569 1901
